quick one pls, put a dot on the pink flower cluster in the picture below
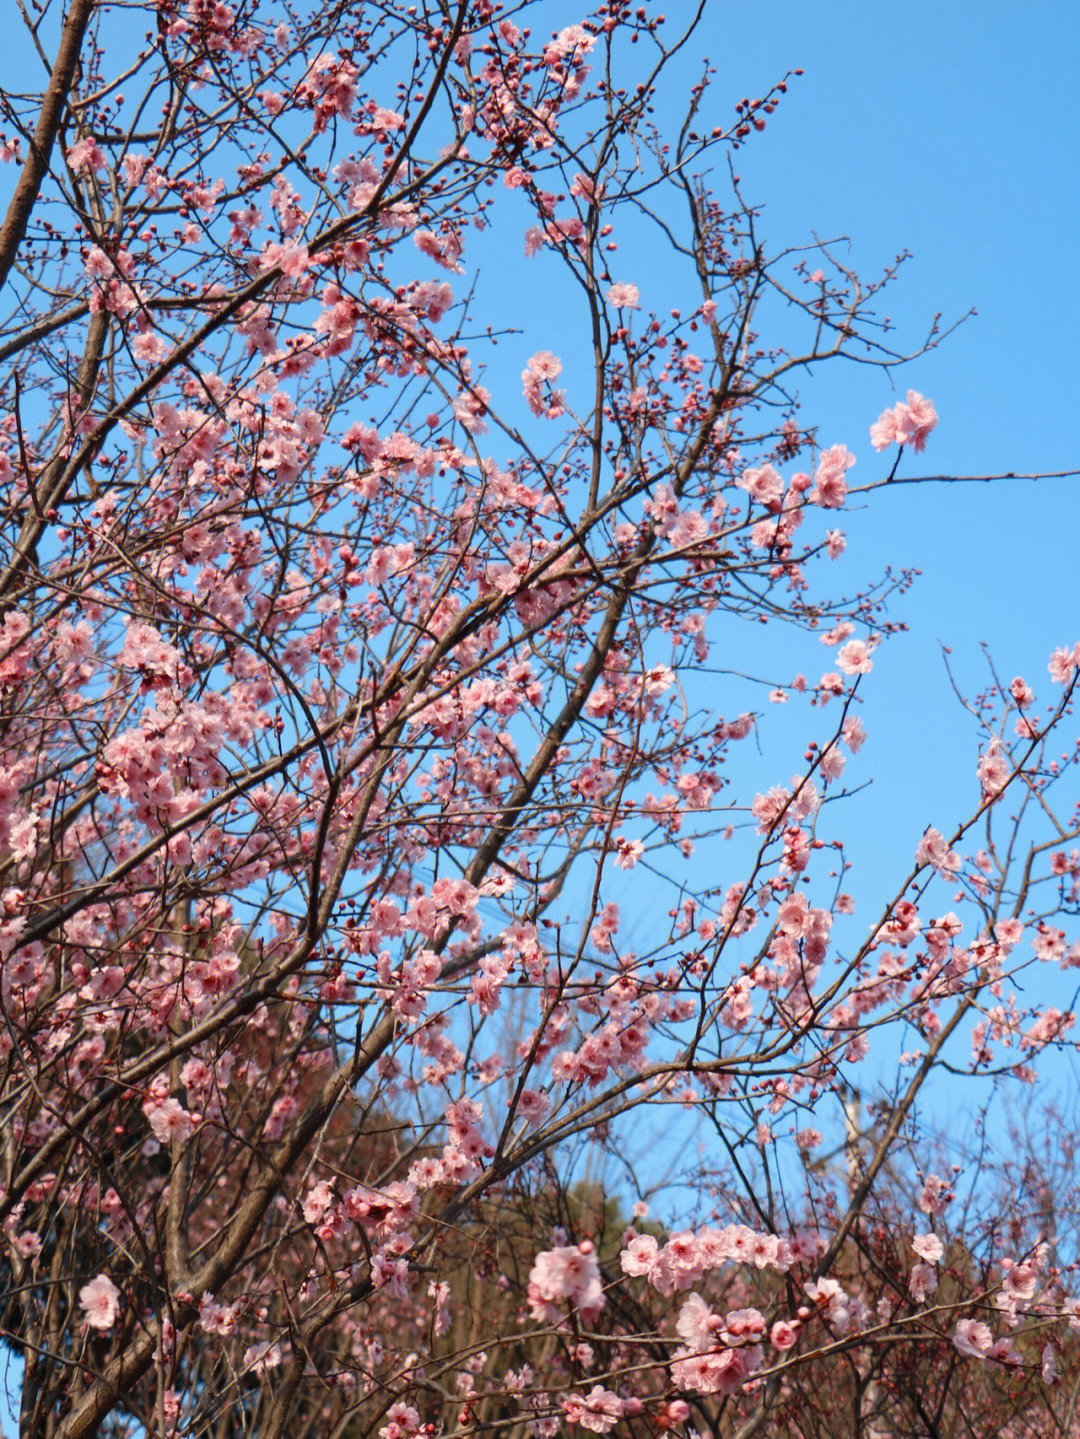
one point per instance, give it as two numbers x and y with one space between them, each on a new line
565 1277
720 1353
680 1263
907 423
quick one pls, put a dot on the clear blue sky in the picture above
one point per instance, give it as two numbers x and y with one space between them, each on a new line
951 131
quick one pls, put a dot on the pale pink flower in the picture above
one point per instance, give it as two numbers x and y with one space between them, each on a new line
697 1324
544 365
623 297
936 1195
830 1300
933 850
570 1274
854 658
854 733
1022 692
762 484
86 155
28 1244
1021 1280
928 1247
883 430
830 486
907 423
640 1254
973 1338
261 1357
922 1282
783 1335
1009 933
571 44
993 769
915 420
98 265
169 1121
532 1105
600 1410
1063 665
629 851
293 259
100 1300
148 347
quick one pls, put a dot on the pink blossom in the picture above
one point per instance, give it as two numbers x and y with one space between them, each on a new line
768 808
854 658
883 430
830 486
697 1324
994 769
784 1335
907 423
86 154
762 484
532 1105
915 420
544 365
571 45
640 1255
1022 693
928 1247
921 1282
100 1300
597 1411
293 259
623 296
854 733
830 1301
98 265
149 347
973 1338
1064 664
169 1121
936 1195
571 1275
933 850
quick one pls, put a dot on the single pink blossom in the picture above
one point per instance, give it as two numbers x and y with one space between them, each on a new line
973 1338
100 1300
1064 664
854 658
623 297
784 1335
928 1247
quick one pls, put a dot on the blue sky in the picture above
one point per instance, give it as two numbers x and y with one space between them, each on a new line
950 132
